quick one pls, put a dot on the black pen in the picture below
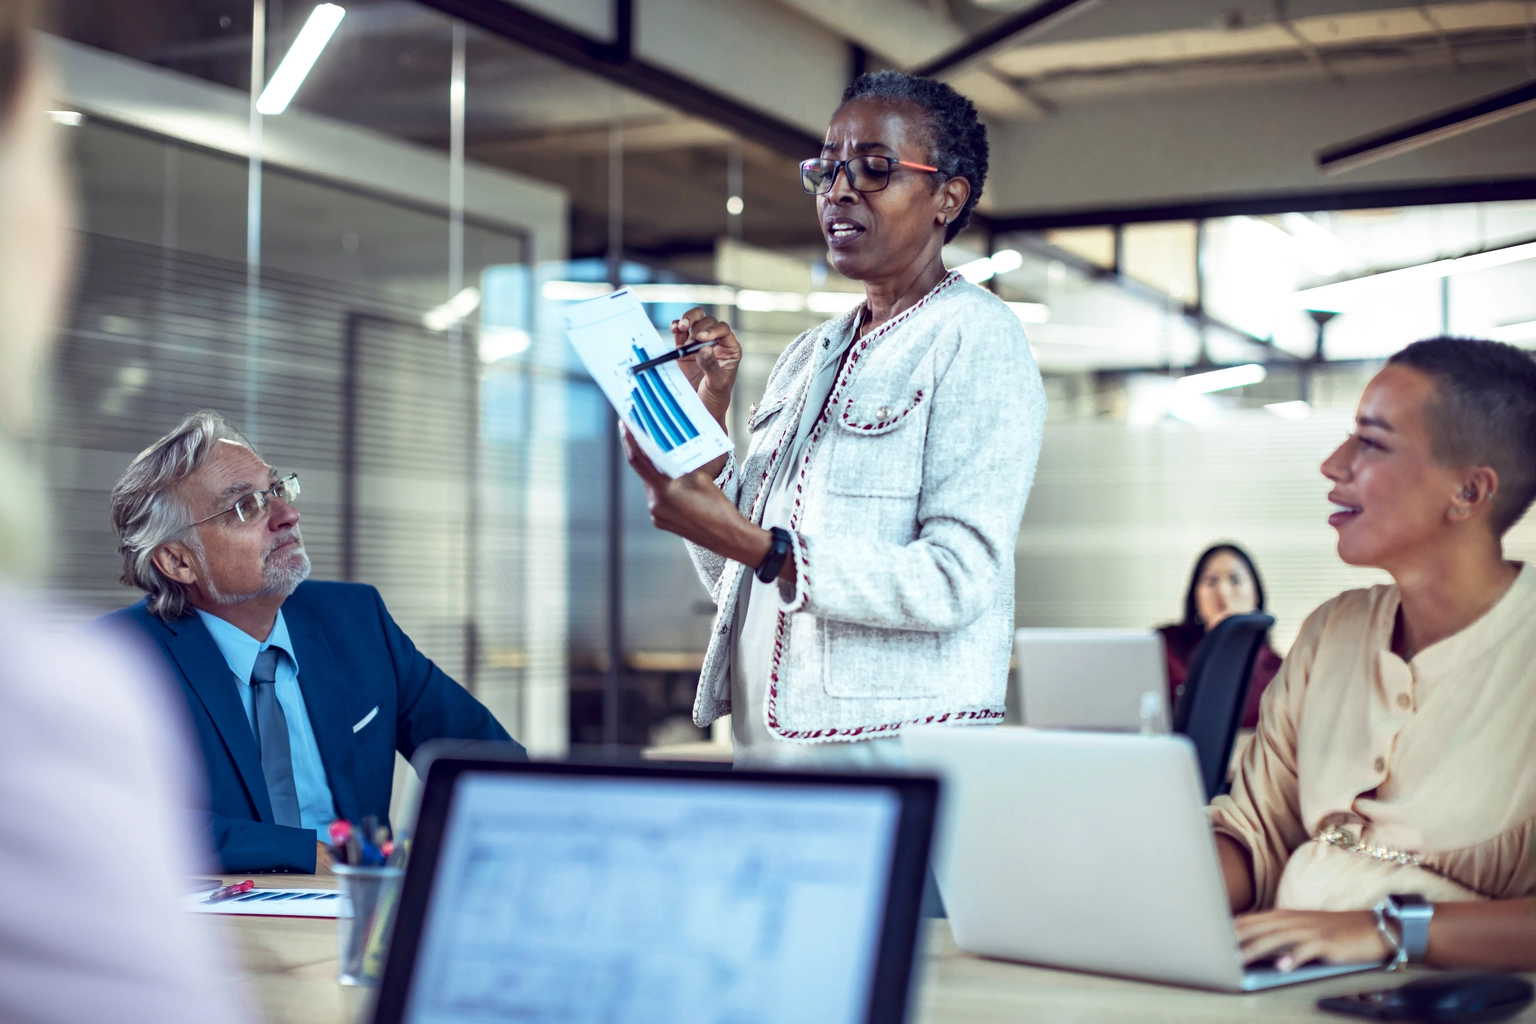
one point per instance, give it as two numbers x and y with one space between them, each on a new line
677 353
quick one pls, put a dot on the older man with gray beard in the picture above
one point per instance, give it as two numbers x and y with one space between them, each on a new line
300 692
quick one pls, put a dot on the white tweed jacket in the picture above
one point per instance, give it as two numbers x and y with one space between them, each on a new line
906 510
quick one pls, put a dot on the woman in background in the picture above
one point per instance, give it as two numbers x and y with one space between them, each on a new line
1225 582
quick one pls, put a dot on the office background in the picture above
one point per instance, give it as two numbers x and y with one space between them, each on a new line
376 296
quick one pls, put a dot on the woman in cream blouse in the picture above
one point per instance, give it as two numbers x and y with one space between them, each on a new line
1396 749
861 555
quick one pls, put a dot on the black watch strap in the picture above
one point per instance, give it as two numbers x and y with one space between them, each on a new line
778 550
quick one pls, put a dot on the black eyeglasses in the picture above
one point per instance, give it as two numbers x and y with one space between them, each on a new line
865 173
253 505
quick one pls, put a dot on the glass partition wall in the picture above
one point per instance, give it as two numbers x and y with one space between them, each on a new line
378 300
374 290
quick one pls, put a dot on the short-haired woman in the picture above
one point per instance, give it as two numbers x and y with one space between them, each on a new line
1387 806
861 555
1225 582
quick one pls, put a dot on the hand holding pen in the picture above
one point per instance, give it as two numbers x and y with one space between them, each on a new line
710 367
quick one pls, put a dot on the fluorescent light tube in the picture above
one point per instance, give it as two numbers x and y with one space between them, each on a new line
686 294
290 74
1514 332
1341 296
832 302
1296 410
453 311
573 291
1221 380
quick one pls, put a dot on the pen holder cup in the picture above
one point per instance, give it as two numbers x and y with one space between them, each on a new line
363 927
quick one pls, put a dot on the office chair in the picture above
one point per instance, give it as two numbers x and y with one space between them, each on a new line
1211 706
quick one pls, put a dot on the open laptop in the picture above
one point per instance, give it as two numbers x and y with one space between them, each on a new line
1092 679
1089 851
563 894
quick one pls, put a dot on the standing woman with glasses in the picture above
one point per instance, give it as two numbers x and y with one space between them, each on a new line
861 555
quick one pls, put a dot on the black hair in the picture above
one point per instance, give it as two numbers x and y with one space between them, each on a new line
1191 605
1483 414
958 138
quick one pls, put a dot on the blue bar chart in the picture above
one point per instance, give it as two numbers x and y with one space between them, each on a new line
659 412
612 334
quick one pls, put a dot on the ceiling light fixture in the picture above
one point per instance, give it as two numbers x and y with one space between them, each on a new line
440 318
306 49
68 118
1414 134
1223 379
1320 249
987 267
1514 332
1341 296
1296 410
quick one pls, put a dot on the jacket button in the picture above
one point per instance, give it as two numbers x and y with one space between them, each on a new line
1381 764
1403 700
882 412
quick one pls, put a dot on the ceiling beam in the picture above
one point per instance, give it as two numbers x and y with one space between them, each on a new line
990 38
1428 130
615 61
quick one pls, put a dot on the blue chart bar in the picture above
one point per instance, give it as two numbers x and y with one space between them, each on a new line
659 410
662 405
650 424
677 412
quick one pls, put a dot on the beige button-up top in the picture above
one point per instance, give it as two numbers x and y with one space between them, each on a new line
1433 760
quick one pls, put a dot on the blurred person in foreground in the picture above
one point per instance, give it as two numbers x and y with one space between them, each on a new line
1393 774
861 557
300 692
1225 582
95 838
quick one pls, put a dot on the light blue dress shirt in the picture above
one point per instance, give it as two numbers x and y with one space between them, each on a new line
317 809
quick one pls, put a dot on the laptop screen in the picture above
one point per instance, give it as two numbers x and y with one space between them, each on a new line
564 899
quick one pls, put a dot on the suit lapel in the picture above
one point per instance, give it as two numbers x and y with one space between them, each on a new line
208 674
324 687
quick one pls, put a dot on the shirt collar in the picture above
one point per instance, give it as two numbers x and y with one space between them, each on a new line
240 648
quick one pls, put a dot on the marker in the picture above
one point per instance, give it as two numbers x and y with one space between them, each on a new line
219 895
677 353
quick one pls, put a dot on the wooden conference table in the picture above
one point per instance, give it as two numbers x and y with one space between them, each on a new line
289 966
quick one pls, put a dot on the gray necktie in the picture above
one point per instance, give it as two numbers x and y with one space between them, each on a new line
272 738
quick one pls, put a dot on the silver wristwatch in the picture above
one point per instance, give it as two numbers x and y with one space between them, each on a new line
1411 913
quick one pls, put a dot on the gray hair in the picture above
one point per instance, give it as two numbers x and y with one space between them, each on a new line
147 512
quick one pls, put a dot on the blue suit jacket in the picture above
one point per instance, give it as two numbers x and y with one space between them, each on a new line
352 659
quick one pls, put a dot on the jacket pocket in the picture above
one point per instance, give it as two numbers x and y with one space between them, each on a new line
870 663
878 444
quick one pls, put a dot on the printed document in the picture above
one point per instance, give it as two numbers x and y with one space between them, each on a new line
660 407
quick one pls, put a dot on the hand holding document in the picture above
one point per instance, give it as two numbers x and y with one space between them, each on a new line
613 336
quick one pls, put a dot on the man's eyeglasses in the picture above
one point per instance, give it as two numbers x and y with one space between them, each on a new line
865 173
254 505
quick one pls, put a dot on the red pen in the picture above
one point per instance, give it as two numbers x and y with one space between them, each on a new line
225 893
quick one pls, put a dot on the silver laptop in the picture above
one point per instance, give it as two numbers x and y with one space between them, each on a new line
1089 851
1107 679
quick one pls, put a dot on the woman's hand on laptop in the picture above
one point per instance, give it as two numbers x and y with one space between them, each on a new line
1296 937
